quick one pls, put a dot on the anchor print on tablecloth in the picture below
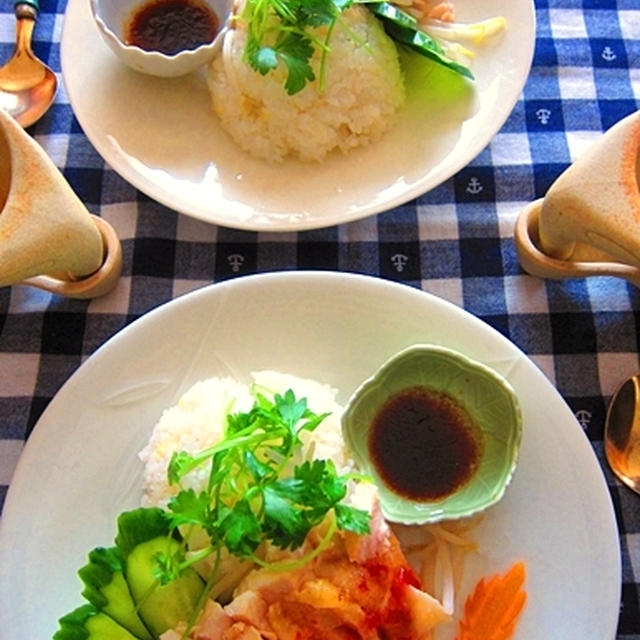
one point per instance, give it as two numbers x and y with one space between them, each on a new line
543 115
608 55
235 261
399 261
583 416
474 186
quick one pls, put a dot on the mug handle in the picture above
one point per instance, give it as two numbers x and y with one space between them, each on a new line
537 263
97 284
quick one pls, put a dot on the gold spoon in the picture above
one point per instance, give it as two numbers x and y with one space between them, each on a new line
27 85
622 433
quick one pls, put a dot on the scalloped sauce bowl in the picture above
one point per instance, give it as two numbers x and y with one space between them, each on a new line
438 432
167 38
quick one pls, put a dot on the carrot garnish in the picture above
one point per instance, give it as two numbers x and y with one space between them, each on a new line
492 610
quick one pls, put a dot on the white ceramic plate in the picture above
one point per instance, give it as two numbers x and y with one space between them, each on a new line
80 469
162 136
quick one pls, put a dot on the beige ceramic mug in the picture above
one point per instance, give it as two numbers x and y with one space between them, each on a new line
588 223
48 239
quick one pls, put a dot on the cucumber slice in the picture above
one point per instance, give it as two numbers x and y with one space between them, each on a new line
140 525
403 27
126 600
142 535
161 607
106 588
89 623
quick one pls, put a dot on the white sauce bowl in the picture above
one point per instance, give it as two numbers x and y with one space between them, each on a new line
111 17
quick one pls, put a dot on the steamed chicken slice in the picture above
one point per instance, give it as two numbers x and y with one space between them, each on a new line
359 588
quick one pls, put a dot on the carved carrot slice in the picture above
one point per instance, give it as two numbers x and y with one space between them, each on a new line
492 610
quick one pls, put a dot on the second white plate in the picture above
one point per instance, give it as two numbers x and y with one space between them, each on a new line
162 136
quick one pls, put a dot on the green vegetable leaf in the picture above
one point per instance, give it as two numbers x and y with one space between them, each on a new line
352 519
324 487
279 32
254 493
285 525
178 465
242 530
168 566
295 51
313 421
290 409
259 470
187 507
316 13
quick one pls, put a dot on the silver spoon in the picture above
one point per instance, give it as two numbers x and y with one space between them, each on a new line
622 433
27 85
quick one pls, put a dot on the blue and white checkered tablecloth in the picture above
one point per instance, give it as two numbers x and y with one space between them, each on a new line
456 242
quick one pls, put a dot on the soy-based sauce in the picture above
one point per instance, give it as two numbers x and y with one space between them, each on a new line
171 26
424 444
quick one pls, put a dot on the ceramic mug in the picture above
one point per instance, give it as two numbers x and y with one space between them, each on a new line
48 239
588 223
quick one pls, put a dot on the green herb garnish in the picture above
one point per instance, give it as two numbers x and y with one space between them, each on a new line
259 490
280 31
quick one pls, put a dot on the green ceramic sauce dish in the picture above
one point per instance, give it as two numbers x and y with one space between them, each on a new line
438 432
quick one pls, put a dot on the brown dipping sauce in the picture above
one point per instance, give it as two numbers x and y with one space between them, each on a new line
423 444
171 26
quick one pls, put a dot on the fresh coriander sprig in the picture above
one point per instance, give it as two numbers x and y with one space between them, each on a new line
281 31
256 492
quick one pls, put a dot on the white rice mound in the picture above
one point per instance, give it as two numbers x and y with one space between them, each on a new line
364 89
197 422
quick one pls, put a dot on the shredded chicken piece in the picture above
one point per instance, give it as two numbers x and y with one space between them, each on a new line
433 10
359 588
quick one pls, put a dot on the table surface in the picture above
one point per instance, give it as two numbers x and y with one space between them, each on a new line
582 333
